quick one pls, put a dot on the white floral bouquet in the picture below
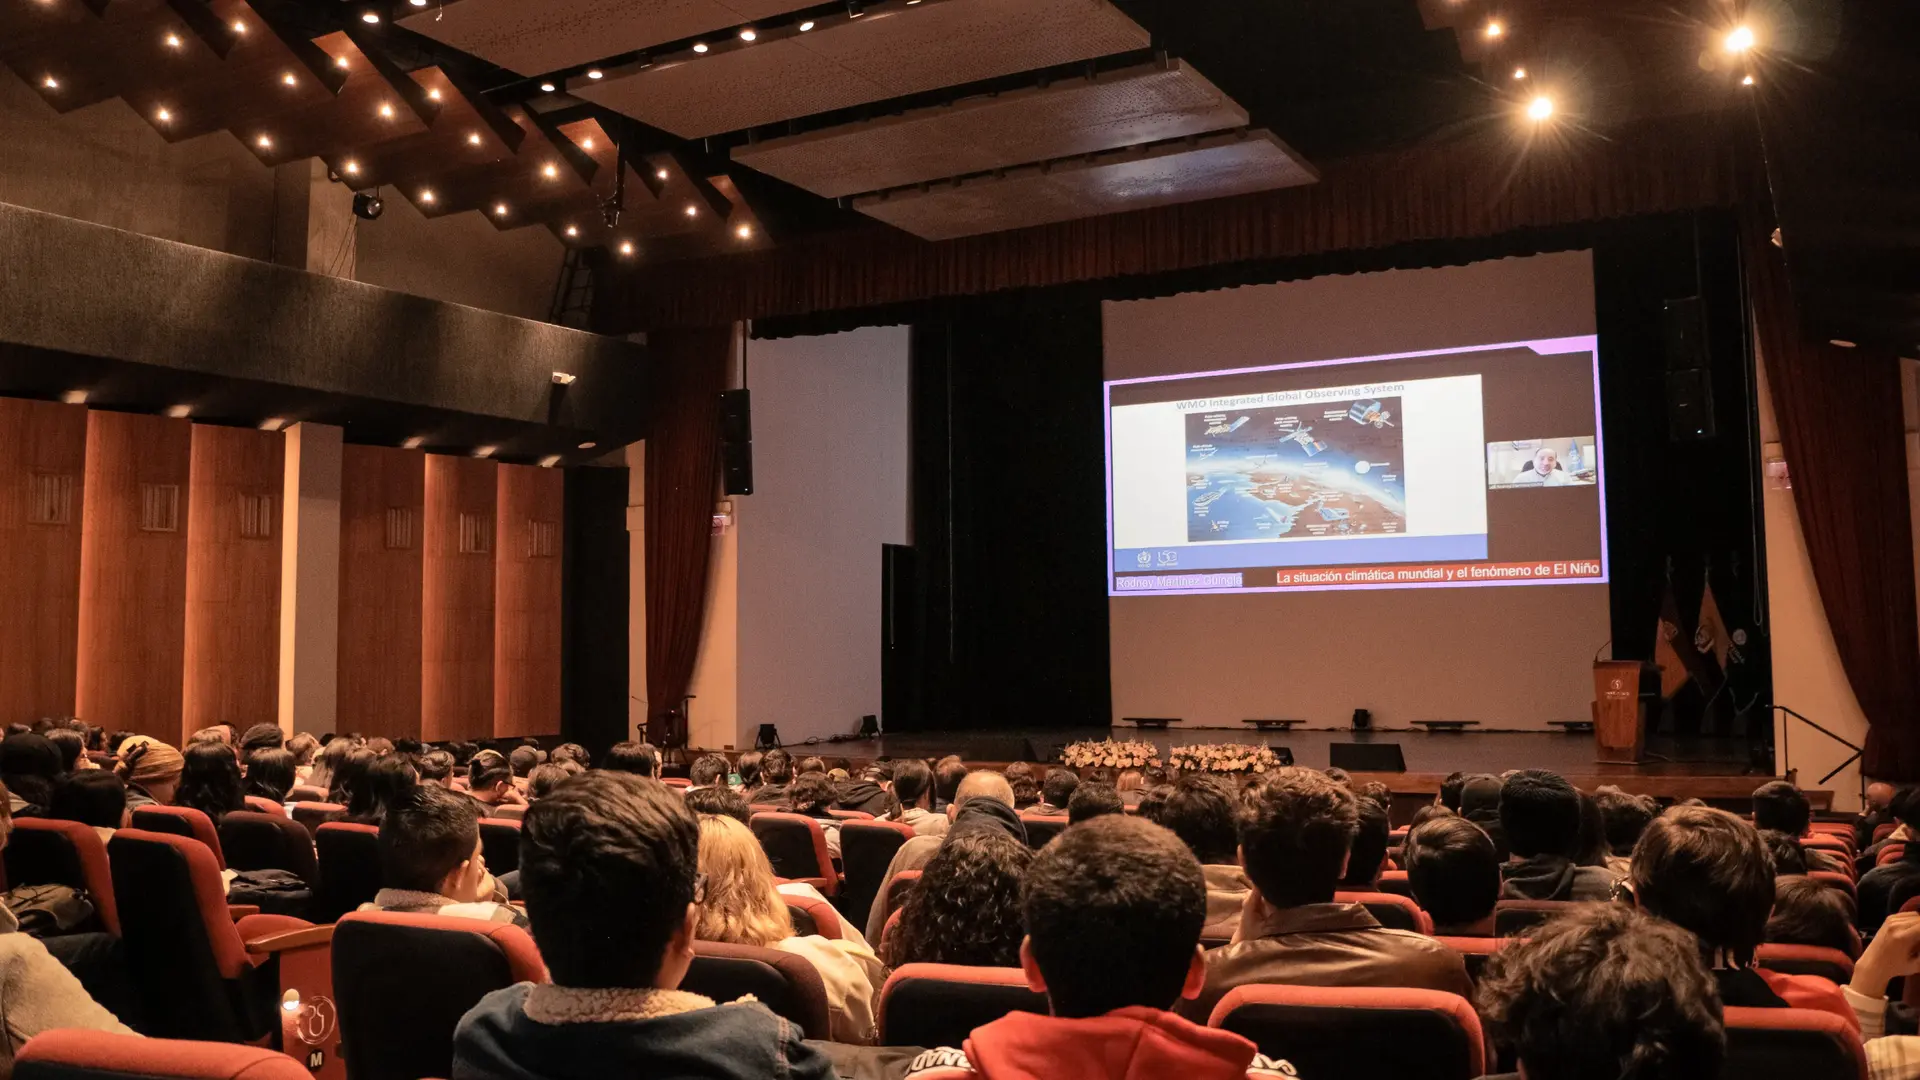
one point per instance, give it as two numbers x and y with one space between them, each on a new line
1109 753
1223 758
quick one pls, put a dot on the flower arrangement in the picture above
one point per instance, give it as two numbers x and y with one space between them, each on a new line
1110 754
1223 758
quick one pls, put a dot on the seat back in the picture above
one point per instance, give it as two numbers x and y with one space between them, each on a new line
903 883
1359 1032
43 851
866 850
1835 880
848 815
184 955
263 841
1393 911
1395 882
349 859
500 843
1884 830
1830 964
312 815
75 1054
797 847
401 1028
789 985
1891 853
1042 828
1515 918
182 821
1791 1043
306 793
260 804
1475 951
1826 842
811 916
940 1004
680 782
508 813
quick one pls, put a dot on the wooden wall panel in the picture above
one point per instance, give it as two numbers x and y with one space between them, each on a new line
526 611
232 673
456 616
133 580
380 589
43 454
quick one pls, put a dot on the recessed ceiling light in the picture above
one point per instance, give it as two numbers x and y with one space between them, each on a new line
692 210
50 83
239 27
484 451
499 209
369 17
550 171
1540 108
173 41
626 247
353 168
290 79
74 397
433 94
747 34
265 142
179 412
1519 73
806 26
586 143
1746 80
1739 39
1842 342
573 230
426 197
412 442
547 88
595 73
1495 29
744 232
661 173
418 3
272 423
341 62
161 114
699 46
587 445
550 461
386 111
473 138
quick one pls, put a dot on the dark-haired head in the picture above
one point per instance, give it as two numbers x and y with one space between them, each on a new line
1296 829
811 795
524 759
29 764
426 835
1114 908
435 767
1626 816
349 773
1450 790
93 797
1452 870
1540 812
1200 811
388 780
638 758
812 765
912 786
71 745
545 778
270 774
210 780
1779 805
1058 787
1604 993
748 766
1092 799
1370 841
571 751
1709 872
303 746
608 864
261 737
966 909
708 769
947 776
776 767
720 800
489 776
1806 912
1788 858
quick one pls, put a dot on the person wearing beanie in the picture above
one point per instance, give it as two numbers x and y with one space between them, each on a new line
151 770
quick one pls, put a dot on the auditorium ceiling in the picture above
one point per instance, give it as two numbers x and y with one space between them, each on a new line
666 129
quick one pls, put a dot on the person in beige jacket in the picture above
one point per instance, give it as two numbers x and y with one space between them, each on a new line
743 907
38 993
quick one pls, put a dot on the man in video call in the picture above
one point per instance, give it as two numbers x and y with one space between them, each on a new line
1546 471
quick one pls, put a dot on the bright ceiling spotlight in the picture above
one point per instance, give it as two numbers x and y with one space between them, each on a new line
342 62
744 232
550 171
473 138
386 111
626 248
1746 80
290 79
1739 39
1495 28
371 18
586 143
426 197
546 88
50 83
748 34
433 94
173 41
700 46
265 142
352 168
1519 73
1540 108
163 115
500 210
692 210
595 73
806 26
573 231
661 174
239 27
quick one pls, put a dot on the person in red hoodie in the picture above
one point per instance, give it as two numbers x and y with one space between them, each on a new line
1113 911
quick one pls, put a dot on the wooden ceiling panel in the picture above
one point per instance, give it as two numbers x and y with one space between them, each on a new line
449 144
1186 170
373 106
530 182
90 57
265 70
534 36
1149 103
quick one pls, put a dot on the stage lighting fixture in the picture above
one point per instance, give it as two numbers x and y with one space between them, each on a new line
162 115
418 3
473 138
1842 343
179 412
239 27
289 79
1540 108
74 397
550 461
564 378
342 62
1746 80
768 738
433 94
368 206
586 144
1362 719
386 110
412 442
660 173
484 451
869 727
550 171
351 168
426 197
610 212
265 142
692 210
586 446
499 209
744 232
173 41
1739 39
1519 73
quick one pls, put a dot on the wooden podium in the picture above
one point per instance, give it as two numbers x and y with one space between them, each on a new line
1619 730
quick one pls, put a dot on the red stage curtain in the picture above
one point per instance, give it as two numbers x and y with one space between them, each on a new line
1843 432
689 370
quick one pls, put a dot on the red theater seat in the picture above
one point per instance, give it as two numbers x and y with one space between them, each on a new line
256 841
902 884
306 793
1892 853
787 984
849 815
1788 1044
940 1004
500 843
1833 880
402 983
812 916
1475 951
349 857
866 850
1042 828
1359 1033
1394 912
93 1055
1826 842
1395 882
312 815
181 821
260 804
1884 830
680 782
1830 964
43 851
797 847
508 813
1514 918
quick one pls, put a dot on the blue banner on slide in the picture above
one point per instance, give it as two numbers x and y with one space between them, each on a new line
1358 551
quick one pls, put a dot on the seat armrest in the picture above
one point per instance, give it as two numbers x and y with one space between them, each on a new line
272 940
241 911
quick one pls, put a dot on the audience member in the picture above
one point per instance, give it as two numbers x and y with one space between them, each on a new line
1131 784
72 746
748 768
270 774
1449 795
350 775
379 746
811 764
707 770
490 782
151 770
1454 875
811 795
1113 911
1340 776
435 767
638 758
330 759
610 868
303 747
1877 886
1199 810
1370 841
1805 912
966 908
261 737
1540 813
1604 993
1026 793
410 746
1626 817
1092 799
40 994
524 759
743 907
389 780
776 774
1480 804
544 778
1429 813
1153 804
1378 792
1788 856
948 772
210 780
91 797
721 800
431 860
1708 872
218 733
1055 791
1879 811
912 795
29 765
1296 832
574 752
1781 806
982 802
868 794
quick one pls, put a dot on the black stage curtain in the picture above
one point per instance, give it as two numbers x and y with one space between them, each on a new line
593 634
1010 607
1843 432
683 476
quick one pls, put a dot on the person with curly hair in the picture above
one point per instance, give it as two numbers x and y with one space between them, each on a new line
966 909
1604 993
743 907
811 795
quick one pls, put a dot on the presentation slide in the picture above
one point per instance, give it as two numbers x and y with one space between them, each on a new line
1405 470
